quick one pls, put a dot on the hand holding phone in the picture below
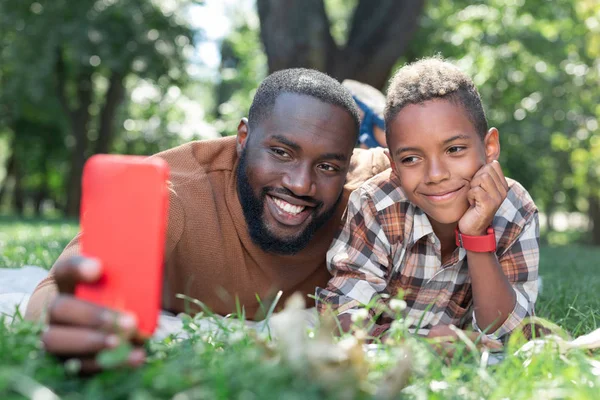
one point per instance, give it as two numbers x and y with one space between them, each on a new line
123 222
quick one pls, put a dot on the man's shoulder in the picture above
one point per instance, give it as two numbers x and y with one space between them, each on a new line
198 158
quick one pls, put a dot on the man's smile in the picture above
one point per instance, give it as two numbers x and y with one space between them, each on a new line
286 213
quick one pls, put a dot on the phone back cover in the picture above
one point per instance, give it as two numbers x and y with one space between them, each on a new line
123 221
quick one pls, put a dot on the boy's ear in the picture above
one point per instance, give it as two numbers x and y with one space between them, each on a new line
491 142
392 163
242 136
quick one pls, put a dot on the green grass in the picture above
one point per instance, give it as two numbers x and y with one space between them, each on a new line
33 242
239 364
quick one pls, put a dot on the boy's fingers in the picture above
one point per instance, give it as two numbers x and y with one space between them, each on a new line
489 184
483 340
498 170
74 270
67 310
499 181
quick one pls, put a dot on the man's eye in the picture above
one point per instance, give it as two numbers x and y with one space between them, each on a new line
455 149
280 153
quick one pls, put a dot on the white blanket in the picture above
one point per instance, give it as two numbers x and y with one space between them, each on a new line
17 284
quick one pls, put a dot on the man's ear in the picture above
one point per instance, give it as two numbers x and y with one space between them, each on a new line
491 142
242 136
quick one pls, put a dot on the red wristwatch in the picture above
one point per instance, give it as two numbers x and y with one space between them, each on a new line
478 244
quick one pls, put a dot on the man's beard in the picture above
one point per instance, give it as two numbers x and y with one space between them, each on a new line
254 208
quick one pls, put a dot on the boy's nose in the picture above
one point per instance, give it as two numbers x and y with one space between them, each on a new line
437 171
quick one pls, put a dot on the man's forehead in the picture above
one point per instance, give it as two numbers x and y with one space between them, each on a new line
291 104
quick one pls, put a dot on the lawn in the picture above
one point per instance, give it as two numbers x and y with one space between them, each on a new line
239 364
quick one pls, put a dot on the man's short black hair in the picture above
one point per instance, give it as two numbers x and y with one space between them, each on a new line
430 79
303 81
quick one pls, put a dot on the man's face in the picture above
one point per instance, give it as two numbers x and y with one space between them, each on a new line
292 170
436 151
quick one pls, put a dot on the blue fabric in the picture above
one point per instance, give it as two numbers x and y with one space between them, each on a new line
370 119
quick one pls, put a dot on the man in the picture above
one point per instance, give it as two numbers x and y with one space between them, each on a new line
248 215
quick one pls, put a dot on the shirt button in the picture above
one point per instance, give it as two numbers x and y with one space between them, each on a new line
432 239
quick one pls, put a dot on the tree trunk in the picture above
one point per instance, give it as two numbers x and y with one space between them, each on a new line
594 215
42 192
10 165
79 128
18 202
380 34
295 33
114 97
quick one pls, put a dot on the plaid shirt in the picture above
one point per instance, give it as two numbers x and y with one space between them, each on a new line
387 244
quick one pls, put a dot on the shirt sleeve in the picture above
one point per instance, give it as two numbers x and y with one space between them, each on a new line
358 259
520 263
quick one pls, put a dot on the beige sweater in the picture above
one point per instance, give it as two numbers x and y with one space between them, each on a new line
209 255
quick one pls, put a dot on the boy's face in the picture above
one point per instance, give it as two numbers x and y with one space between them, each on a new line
435 152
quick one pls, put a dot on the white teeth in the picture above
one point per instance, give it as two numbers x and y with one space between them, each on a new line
287 207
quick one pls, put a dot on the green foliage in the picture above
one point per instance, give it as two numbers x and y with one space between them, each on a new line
243 67
60 60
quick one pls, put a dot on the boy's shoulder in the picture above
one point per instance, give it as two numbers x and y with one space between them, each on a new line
516 213
518 204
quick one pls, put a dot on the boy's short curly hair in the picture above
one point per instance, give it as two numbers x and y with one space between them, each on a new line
430 79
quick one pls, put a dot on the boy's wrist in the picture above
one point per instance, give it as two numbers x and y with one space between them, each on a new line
483 243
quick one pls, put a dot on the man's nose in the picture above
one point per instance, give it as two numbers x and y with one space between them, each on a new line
300 181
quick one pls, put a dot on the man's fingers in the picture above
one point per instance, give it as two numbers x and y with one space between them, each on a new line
70 341
74 270
89 365
67 310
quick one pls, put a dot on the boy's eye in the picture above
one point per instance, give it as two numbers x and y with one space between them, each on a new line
328 167
455 149
409 160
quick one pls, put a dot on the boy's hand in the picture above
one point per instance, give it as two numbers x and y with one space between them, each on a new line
445 337
78 329
488 191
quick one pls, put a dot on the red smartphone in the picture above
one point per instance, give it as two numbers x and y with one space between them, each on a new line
124 209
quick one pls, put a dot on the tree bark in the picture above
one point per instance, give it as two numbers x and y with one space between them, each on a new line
10 165
296 33
18 202
594 215
380 34
78 122
114 98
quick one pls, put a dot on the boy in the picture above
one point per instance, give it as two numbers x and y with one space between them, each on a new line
443 225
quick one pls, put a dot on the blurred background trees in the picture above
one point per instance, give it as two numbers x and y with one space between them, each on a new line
113 76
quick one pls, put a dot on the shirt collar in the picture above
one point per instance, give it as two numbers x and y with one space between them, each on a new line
421 227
